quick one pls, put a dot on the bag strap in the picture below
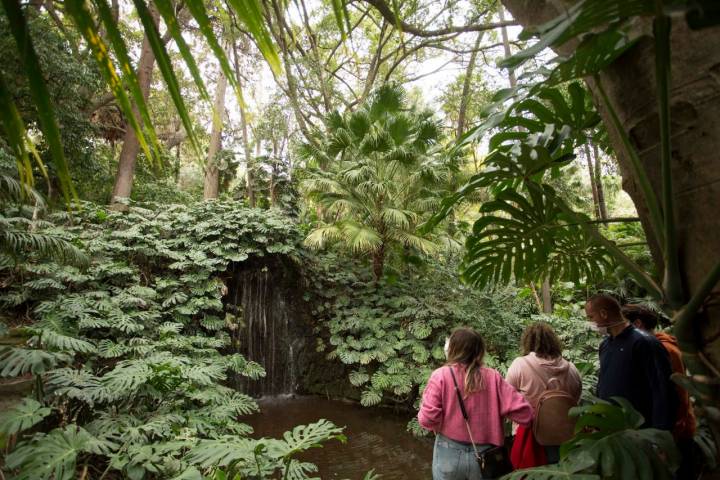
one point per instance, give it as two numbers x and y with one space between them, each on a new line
464 411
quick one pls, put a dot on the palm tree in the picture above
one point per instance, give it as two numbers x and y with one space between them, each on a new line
375 173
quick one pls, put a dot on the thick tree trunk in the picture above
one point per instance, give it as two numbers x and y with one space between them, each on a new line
131 146
467 84
599 185
212 174
695 122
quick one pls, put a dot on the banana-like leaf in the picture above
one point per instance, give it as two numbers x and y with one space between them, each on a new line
166 69
197 10
166 9
23 416
16 135
83 19
40 95
250 12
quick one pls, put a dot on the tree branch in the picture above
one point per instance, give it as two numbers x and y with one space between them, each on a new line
387 12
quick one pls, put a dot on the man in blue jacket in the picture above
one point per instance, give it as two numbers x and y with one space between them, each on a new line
633 364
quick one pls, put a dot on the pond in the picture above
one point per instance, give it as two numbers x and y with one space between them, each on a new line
377 438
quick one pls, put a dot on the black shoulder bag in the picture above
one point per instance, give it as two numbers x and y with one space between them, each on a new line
495 461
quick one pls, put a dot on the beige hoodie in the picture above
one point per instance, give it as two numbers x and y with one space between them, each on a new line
558 374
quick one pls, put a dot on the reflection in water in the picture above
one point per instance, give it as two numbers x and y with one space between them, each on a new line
376 438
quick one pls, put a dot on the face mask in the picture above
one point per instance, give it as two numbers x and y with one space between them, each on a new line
446 349
604 329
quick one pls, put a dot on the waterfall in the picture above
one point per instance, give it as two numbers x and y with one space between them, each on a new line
263 294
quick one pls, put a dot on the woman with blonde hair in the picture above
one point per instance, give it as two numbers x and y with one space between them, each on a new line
464 404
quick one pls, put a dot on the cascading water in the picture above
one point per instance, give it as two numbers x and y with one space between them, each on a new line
269 332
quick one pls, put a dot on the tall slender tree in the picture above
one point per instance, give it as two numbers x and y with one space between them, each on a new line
212 173
131 146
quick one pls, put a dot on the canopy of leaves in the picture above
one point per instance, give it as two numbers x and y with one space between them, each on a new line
376 173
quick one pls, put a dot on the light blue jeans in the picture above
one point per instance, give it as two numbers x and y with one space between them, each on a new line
454 460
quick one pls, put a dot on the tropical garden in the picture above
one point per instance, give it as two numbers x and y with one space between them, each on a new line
210 207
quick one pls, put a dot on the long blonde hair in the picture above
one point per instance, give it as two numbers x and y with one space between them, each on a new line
467 347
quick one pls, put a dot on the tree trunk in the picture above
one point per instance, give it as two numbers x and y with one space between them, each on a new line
379 262
212 174
506 45
630 84
593 184
467 84
131 146
546 296
599 184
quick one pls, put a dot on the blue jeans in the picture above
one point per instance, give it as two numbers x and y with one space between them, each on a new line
454 460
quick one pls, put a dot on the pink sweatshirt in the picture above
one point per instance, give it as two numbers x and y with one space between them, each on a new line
557 373
440 410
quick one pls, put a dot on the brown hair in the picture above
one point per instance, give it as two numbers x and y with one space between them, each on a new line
645 315
605 302
467 347
541 339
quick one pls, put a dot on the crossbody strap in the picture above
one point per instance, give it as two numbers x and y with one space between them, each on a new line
464 411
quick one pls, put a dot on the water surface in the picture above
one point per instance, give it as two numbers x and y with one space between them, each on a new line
377 438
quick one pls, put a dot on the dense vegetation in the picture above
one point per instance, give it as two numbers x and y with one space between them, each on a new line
409 201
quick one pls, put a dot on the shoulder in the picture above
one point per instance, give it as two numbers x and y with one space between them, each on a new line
491 375
517 364
644 340
439 373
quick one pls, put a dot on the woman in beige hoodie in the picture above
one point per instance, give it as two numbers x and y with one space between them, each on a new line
542 355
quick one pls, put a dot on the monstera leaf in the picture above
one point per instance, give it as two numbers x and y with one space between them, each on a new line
579 19
304 437
54 456
23 416
609 444
19 361
527 235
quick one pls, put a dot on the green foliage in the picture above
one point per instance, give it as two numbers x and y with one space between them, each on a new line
262 458
608 444
53 455
23 416
127 353
392 333
375 173
528 231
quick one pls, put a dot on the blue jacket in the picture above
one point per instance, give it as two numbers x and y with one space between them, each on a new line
634 365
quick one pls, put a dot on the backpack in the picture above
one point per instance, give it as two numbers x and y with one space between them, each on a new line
552 424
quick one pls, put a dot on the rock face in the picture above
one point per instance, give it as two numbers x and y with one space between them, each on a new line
277 330
266 295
